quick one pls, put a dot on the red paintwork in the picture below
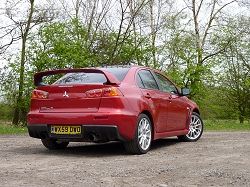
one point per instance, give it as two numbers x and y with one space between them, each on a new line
169 113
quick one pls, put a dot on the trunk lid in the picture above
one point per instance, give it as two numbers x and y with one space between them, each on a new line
67 99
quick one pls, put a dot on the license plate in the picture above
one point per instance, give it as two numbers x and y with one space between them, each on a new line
55 129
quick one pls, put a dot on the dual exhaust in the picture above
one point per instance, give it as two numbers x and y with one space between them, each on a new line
92 137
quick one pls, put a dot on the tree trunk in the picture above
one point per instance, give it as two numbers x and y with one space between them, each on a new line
18 106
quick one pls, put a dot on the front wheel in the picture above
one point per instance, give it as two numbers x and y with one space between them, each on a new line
142 137
195 129
54 144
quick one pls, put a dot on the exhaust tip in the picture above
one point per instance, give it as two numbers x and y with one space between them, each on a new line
93 137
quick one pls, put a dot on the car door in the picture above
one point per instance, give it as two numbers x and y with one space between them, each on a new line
157 102
177 107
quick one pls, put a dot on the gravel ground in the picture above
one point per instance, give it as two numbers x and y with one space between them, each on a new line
217 159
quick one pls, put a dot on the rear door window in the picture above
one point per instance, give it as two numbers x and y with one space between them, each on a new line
145 79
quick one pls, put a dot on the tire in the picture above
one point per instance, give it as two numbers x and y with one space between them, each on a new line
54 144
195 129
142 137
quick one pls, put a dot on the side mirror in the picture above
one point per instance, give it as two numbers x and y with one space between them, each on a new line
185 91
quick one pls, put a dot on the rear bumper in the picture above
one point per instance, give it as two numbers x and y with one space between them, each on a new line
103 132
121 123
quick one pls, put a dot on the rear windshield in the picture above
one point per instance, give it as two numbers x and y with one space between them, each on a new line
92 78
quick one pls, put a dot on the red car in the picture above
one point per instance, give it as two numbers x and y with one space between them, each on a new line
133 104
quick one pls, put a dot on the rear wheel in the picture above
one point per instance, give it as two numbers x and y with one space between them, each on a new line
195 129
142 137
54 144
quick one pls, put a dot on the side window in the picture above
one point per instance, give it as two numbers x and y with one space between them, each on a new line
145 79
166 85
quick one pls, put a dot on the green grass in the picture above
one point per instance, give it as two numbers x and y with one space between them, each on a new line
7 128
226 125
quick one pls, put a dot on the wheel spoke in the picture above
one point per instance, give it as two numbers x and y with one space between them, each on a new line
141 141
139 136
144 144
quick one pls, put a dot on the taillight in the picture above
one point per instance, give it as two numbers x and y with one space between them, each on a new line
39 94
111 92
105 92
94 93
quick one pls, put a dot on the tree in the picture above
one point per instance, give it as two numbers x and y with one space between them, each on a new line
58 46
33 15
236 68
202 27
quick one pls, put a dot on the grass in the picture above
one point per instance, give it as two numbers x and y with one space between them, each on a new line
226 125
7 128
217 125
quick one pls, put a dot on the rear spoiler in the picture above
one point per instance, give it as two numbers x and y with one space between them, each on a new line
38 77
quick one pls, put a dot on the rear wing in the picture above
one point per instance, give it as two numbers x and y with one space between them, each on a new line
38 77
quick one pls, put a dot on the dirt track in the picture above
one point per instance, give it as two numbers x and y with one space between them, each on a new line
217 159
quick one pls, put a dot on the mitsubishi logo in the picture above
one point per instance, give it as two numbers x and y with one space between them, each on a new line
65 94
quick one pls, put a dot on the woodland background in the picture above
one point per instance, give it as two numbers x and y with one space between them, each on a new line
200 44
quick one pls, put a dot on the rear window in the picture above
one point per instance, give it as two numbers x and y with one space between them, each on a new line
82 78
92 78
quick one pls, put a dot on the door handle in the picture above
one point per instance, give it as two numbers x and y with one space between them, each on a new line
148 96
169 99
